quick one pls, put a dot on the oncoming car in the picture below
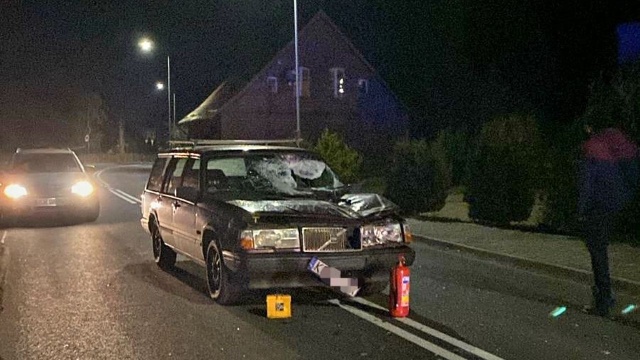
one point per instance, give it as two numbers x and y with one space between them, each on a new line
255 216
44 182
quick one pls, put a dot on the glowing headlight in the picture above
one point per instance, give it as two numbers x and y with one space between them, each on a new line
270 239
82 188
15 191
381 234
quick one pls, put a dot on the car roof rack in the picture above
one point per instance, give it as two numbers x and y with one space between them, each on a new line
204 142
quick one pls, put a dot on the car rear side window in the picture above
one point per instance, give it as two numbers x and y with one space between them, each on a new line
155 178
191 174
175 170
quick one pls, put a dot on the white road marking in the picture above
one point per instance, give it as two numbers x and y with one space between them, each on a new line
131 197
399 332
4 235
114 192
117 192
433 332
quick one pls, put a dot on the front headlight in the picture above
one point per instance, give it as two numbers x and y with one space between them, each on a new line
15 191
379 234
82 188
270 239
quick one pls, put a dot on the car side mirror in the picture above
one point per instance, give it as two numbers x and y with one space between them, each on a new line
187 193
90 169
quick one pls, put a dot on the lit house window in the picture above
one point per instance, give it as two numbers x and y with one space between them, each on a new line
272 84
363 86
339 82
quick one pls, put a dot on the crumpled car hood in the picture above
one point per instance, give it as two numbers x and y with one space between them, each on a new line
369 204
349 206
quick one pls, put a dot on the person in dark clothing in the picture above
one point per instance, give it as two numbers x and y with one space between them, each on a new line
608 180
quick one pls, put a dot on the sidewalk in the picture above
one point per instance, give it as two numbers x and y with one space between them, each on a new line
560 255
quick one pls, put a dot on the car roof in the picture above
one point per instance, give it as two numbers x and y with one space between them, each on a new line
203 149
44 151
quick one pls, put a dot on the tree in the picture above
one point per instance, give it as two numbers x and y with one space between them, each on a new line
420 175
345 161
504 181
88 118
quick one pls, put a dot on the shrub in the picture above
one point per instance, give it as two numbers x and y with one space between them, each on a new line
560 207
420 176
343 160
457 148
503 183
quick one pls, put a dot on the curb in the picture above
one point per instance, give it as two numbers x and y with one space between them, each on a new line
578 275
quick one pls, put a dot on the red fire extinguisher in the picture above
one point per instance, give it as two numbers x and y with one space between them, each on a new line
399 289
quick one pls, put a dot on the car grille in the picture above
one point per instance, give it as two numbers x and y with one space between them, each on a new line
52 191
326 239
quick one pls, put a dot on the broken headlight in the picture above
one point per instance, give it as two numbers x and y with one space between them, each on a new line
379 234
270 239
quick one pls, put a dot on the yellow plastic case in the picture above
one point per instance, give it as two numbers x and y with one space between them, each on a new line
278 306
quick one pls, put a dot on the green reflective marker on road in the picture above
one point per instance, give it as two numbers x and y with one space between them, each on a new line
629 309
558 311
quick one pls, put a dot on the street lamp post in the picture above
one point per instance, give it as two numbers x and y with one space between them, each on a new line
146 45
169 94
295 35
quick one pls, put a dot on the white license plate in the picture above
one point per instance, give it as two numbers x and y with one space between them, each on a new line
46 202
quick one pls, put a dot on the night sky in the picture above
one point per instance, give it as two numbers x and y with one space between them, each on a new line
451 62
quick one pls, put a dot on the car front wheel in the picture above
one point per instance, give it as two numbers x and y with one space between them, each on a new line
222 288
163 255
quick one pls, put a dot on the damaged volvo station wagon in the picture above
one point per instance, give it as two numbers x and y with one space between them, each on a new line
256 214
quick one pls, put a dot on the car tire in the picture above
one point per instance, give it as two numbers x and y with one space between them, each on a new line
221 284
372 287
163 255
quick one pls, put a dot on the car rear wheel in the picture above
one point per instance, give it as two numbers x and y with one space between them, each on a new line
220 282
163 255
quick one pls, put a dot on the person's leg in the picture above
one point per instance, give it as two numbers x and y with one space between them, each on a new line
597 241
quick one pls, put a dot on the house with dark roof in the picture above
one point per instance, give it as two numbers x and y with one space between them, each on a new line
339 90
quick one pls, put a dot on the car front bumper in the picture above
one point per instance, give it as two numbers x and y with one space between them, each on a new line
50 207
269 270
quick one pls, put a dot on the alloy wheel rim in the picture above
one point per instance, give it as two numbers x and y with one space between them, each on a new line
157 243
214 271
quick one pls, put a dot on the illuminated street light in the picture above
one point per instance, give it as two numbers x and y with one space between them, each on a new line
160 85
146 45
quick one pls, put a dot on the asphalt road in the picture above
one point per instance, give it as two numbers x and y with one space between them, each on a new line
92 291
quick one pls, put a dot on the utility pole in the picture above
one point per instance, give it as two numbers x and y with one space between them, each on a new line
295 35
121 137
169 95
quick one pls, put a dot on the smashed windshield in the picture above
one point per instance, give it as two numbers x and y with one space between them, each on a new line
289 173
